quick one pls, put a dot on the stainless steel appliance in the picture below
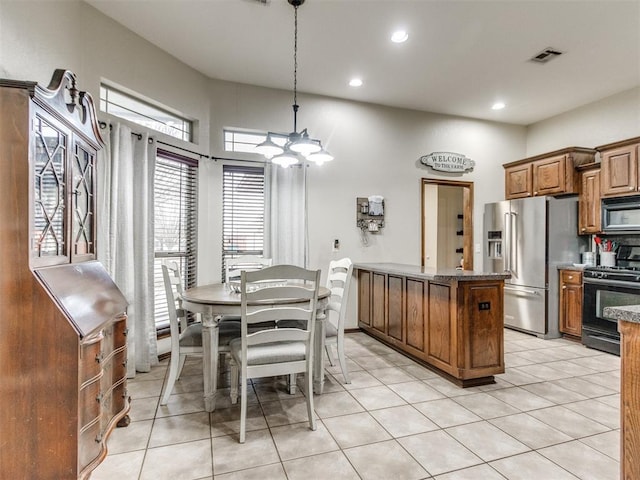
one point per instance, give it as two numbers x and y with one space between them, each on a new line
529 238
621 214
609 287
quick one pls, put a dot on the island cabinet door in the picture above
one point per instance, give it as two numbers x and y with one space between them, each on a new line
395 307
378 284
416 305
441 331
480 324
364 297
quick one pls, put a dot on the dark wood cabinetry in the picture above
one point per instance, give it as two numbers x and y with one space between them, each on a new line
620 168
589 212
518 181
63 326
630 399
548 174
454 326
571 302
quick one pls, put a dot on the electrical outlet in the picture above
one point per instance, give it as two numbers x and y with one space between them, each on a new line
336 245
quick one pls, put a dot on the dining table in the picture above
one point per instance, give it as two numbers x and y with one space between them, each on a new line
217 300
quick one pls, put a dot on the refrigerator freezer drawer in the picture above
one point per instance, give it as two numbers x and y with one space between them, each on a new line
525 308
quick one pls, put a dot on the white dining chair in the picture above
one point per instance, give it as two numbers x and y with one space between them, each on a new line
338 281
249 263
233 268
280 350
186 339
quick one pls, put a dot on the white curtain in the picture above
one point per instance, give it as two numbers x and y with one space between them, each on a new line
286 215
125 235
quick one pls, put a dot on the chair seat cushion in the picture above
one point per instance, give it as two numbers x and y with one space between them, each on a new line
192 336
330 330
227 331
277 352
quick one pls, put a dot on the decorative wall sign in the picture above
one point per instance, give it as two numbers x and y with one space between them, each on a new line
448 162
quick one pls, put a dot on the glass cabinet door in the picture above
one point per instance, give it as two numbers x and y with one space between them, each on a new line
83 202
49 193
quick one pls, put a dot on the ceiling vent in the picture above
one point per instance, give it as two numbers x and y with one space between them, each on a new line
545 55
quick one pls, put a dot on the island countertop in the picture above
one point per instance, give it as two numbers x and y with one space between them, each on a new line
628 313
426 273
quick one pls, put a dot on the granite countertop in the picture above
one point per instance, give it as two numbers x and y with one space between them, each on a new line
571 266
629 313
417 271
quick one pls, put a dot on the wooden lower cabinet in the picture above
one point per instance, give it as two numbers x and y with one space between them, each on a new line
454 326
630 400
571 302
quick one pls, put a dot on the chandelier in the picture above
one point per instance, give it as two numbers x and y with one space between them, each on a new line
298 145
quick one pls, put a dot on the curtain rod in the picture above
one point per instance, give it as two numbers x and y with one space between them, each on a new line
201 155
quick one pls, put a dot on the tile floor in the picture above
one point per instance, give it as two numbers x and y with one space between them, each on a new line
553 415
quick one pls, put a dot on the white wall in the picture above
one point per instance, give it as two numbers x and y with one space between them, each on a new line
609 120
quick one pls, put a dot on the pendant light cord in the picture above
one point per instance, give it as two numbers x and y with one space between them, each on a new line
295 67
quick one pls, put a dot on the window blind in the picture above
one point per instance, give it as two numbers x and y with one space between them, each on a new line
242 212
175 230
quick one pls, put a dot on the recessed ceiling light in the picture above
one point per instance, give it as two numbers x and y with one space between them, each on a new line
399 36
355 82
498 106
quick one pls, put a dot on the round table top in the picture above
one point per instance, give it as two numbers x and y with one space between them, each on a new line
219 294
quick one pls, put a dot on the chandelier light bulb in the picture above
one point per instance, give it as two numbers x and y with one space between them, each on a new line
268 148
285 159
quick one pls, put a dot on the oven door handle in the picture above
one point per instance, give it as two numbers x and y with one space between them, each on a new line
605 339
613 283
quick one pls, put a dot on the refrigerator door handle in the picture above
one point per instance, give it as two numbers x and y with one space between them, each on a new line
521 290
506 255
513 243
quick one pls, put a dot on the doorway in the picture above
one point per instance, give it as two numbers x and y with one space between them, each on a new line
447 224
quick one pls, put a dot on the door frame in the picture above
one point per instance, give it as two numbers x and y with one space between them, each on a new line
467 221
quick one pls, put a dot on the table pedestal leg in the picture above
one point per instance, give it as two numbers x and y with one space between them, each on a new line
210 361
318 354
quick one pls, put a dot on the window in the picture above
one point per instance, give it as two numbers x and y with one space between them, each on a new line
175 217
242 212
137 111
243 141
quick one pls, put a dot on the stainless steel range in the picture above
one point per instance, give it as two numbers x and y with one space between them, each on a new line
609 287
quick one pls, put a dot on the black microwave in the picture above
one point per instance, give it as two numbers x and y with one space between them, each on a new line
621 214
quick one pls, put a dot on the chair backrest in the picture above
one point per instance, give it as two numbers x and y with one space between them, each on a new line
173 290
282 293
338 281
248 263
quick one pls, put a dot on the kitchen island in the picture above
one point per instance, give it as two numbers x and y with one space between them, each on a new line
629 327
450 320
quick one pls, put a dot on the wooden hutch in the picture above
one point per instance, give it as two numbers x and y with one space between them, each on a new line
63 325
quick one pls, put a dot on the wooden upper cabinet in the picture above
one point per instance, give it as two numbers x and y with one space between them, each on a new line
589 219
518 183
620 168
548 174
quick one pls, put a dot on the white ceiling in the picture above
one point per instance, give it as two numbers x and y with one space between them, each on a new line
460 58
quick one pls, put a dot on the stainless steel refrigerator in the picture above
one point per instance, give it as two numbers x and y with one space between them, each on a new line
530 238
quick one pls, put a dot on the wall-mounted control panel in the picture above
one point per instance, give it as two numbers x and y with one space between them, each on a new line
370 213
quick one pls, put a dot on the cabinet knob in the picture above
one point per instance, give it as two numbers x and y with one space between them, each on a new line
631 188
570 277
564 287
584 229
